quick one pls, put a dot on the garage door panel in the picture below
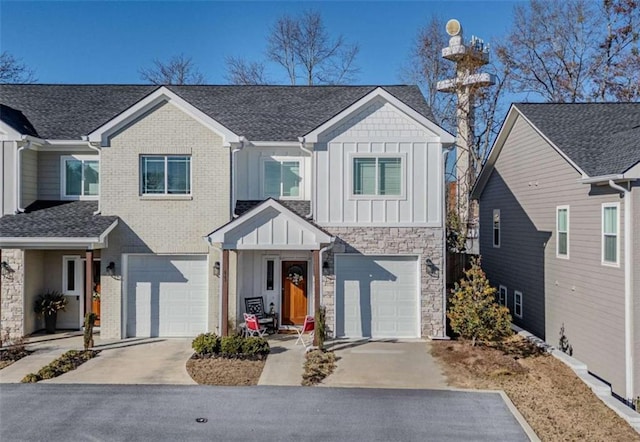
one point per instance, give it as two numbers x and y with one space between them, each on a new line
167 295
376 296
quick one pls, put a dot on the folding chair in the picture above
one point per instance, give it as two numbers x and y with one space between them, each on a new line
252 327
307 327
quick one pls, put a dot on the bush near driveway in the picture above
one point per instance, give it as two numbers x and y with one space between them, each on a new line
67 362
318 365
239 347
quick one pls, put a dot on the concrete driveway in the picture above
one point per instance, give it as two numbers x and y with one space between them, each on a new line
135 361
385 364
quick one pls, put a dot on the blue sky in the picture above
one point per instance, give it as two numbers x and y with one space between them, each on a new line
107 42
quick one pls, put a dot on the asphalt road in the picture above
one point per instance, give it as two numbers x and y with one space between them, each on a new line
125 413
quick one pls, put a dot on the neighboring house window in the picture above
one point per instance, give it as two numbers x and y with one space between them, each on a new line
80 177
502 295
496 227
377 176
610 223
281 179
517 303
562 230
165 175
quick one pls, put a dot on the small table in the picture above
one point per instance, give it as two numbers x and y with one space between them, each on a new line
272 327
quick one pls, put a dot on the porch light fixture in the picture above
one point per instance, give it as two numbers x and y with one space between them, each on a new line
111 269
6 269
325 267
432 269
216 269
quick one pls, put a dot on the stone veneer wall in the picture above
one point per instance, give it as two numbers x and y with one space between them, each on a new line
12 308
421 241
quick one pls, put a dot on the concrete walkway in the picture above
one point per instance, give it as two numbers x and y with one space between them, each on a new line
385 364
128 361
284 364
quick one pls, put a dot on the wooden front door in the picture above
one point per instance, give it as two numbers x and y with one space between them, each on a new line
294 292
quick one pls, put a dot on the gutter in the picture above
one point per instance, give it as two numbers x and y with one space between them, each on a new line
446 152
313 184
99 150
18 176
320 256
233 176
628 289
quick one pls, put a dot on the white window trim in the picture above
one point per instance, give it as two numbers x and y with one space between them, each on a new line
403 175
63 177
617 261
502 295
166 176
283 159
517 294
493 228
558 254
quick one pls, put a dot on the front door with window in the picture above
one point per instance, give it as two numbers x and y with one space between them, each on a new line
294 292
73 287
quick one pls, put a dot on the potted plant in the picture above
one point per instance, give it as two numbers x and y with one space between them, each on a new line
48 304
95 303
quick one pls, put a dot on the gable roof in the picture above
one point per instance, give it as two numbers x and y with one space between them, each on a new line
598 139
259 113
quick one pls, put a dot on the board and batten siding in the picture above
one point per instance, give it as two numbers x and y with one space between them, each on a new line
579 294
50 172
249 170
379 128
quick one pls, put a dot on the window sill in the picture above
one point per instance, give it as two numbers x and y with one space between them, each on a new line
166 197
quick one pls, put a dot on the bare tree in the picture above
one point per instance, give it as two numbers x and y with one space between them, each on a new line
13 70
575 50
179 69
240 71
306 51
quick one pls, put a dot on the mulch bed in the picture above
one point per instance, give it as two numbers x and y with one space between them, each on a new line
557 405
225 371
10 355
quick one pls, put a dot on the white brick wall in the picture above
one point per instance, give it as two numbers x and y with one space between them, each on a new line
171 225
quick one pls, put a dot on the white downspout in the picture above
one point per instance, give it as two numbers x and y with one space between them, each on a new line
97 149
18 176
628 289
234 151
313 184
322 251
443 208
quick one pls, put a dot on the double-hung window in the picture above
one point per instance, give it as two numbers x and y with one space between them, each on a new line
502 295
496 227
517 303
610 237
165 175
281 179
562 231
80 177
377 176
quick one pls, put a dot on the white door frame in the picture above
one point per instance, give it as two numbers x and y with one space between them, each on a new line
78 286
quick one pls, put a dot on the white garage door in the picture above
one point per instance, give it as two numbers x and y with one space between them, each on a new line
166 295
377 296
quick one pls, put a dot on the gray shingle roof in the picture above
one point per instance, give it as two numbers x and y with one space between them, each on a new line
300 208
601 138
56 219
260 113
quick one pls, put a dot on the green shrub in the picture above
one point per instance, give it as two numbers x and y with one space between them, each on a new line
31 378
231 345
67 362
255 346
206 344
473 312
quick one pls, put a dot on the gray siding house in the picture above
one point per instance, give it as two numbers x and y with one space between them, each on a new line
559 230
172 205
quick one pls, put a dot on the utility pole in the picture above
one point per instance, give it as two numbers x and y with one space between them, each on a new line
468 59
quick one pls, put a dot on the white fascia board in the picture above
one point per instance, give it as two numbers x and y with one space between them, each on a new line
444 136
218 236
275 143
160 95
314 246
103 237
51 243
49 145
